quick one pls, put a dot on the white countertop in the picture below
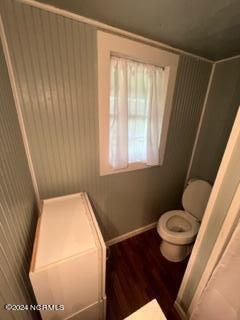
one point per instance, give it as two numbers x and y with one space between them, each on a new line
63 217
150 311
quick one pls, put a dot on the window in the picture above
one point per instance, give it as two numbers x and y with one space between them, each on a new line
135 88
137 99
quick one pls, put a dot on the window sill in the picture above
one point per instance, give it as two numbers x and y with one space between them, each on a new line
131 167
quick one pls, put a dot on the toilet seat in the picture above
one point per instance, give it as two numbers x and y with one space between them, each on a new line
180 219
195 198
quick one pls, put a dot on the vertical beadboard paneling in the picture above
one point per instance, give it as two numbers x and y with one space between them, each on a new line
221 108
17 207
54 60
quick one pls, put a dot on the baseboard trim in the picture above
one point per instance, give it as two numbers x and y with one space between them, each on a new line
180 311
130 234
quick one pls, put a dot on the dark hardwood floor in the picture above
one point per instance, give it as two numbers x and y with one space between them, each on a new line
138 273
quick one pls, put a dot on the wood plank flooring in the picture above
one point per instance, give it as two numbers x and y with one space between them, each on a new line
138 273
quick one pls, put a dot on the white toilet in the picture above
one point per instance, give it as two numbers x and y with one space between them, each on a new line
178 228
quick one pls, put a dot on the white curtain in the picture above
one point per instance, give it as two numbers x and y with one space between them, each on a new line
137 100
220 299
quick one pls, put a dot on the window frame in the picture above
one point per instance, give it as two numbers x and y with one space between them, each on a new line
108 44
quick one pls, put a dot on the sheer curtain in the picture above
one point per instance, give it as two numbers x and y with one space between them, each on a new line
137 100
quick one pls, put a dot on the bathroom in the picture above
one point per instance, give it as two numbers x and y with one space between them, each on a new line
52 145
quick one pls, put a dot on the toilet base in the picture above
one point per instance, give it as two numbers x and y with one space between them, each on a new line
175 253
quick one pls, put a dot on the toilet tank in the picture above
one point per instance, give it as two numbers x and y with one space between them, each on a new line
69 260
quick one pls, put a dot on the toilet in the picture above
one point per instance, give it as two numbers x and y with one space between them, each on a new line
178 228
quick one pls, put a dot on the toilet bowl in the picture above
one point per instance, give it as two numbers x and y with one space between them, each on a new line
178 228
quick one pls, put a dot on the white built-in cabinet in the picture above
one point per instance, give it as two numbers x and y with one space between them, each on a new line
69 259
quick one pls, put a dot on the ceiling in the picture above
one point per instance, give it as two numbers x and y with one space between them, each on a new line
209 28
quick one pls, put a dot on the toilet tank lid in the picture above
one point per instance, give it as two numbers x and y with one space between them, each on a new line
195 198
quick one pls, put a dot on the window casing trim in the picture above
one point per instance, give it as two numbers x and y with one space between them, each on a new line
109 44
